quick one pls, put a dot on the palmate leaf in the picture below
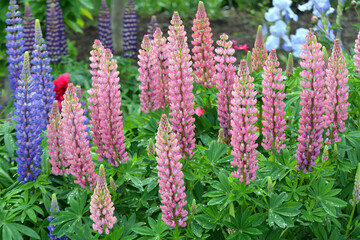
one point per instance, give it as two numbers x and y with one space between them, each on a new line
158 229
67 220
322 192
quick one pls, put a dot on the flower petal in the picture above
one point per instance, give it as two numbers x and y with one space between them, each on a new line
278 29
272 42
273 14
306 7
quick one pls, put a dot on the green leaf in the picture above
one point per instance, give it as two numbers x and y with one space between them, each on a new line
143 231
9 144
6 232
196 228
25 230
205 221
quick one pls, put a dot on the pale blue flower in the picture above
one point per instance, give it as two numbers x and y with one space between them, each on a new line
330 33
297 40
319 7
278 29
281 8
272 42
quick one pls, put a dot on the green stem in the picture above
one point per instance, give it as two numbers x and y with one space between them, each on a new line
348 227
317 172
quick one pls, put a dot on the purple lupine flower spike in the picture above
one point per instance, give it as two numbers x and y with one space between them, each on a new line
29 30
55 31
337 94
104 26
171 183
101 206
130 30
243 129
153 25
274 123
313 102
41 72
15 43
180 87
224 79
28 125
54 208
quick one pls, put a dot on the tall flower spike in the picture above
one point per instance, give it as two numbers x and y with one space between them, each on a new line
130 30
337 94
243 119
180 87
249 61
94 93
54 208
203 49
153 25
29 31
55 129
110 115
104 26
224 78
146 91
356 191
357 54
289 66
41 73
312 100
259 52
274 123
55 31
101 206
15 43
27 126
159 69
171 183
76 143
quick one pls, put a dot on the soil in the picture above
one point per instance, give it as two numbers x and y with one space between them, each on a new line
238 25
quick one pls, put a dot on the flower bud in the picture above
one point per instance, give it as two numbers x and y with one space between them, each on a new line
151 149
325 155
335 152
193 206
353 3
314 20
270 185
112 184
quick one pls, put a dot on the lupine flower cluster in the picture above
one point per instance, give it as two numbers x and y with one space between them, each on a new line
274 123
171 183
106 116
337 94
104 26
29 31
130 30
312 100
96 54
101 206
259 52
243 119
41 73
54 208
76 143
356 191
146 83
204 68
28 125
180 87
153 25
83 106
112 184
159 69
224 79
15 43
55 141
289 66
357 54
55 31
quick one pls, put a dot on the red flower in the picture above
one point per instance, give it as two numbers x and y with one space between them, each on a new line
242 47
199 111
234 42
61 84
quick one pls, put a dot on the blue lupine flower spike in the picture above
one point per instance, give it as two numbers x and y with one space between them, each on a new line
104 26
29 30
130 30
28 126
15 43
41 73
